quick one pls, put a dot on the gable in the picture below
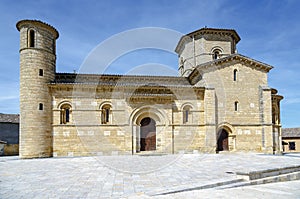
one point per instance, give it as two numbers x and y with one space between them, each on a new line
196 74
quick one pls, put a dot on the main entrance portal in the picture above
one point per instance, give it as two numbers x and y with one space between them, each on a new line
148 134
222 140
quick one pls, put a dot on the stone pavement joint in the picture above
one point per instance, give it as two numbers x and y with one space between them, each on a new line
140 176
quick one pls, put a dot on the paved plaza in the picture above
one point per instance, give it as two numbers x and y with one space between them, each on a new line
159 176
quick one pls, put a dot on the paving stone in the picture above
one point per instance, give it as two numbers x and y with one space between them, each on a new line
86 177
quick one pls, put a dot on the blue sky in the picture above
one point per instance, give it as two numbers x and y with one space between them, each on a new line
269 31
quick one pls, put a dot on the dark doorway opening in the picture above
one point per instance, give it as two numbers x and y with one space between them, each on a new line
148 134
222 140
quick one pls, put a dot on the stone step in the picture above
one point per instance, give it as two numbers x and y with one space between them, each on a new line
184 188
151 153
272 176
253 175
279 178
272 179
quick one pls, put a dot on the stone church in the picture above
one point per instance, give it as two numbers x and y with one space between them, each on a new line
220 101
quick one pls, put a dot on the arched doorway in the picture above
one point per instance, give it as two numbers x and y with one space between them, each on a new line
147 134
222 140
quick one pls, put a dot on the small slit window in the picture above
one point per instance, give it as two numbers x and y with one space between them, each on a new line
186 114
235 74
41 106
53 46
31 41
41 72
236 106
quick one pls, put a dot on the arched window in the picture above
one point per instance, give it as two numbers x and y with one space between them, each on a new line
31 41
41 72
236 106
186 114
216 54
105 114
65 114
41 106
235 74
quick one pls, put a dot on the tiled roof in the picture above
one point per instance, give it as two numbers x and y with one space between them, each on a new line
121 80
9 118
290 132
204 31
239 57
216 30
215 64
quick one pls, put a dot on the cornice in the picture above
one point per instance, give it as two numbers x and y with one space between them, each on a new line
37 23
204 31
219 63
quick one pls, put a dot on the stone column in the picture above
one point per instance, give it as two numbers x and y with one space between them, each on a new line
210 120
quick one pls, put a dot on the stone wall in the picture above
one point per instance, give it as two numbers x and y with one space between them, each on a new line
250 125
86 135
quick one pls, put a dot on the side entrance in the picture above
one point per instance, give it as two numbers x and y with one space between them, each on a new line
222 142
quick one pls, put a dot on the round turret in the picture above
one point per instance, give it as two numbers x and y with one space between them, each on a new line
37 70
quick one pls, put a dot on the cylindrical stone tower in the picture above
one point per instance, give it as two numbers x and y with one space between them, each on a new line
37 70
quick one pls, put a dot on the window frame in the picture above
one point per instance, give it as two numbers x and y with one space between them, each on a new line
41 72
31 38
41 106
292 146
106 114
236 106
235 71
186 114
65 113
216 53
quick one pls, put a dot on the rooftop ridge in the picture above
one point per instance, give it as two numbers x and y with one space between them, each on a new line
119 75
10 118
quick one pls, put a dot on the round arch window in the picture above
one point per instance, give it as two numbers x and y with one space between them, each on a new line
216 54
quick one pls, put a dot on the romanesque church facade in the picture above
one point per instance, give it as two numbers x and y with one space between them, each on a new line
220 102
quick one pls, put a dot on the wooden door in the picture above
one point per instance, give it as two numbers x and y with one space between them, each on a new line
222 142
150 141
148 134
225 144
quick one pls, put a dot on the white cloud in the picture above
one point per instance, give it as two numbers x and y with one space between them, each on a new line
4 98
